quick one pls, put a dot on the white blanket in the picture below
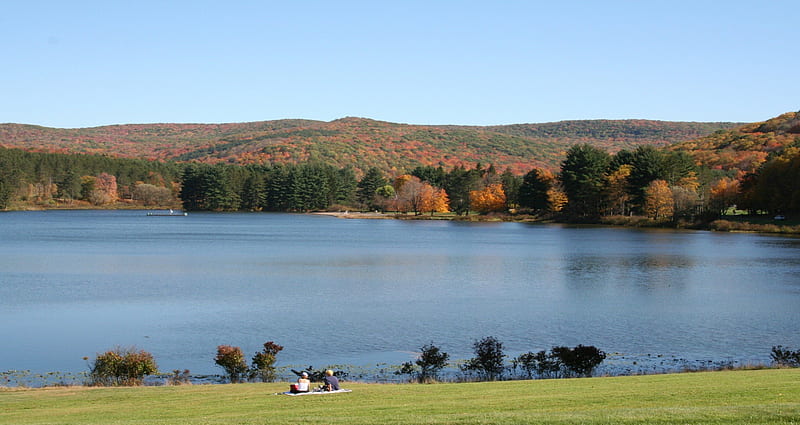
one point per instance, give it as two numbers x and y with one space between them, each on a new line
317 392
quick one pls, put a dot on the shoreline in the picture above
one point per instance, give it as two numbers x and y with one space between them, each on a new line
615 365
728 224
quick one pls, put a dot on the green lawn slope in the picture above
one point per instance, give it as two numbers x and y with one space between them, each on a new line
740 397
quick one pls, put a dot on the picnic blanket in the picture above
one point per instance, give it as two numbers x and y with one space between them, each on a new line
317 392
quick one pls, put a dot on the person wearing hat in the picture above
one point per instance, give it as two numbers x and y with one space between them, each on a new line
303 384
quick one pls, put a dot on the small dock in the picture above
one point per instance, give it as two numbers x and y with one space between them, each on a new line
170 213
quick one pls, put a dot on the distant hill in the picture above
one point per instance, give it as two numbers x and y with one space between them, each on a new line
746 147
356 142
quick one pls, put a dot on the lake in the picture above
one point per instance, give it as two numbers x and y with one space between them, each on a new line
364 292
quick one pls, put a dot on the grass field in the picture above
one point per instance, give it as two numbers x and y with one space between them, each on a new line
739 397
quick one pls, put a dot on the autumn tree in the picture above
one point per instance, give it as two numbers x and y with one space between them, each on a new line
103 189
264 362
385 198
685 202
724 194
409 191
232 360
122 366
615 191
458 183
419 197
775 186
151 195
434 200
649 164
556 198
658 201
489 199
41 192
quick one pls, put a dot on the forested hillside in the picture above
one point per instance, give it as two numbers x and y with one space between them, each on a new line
745 148
369 165
355 142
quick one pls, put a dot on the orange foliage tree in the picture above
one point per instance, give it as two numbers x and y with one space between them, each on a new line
489 199
434 200
724 194
419 197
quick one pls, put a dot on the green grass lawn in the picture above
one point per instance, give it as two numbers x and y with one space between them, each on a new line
740 397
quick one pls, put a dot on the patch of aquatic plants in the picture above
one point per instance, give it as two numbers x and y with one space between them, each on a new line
785 357
26 378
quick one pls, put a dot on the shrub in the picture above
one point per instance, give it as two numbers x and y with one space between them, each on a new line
579 361
539 364
426 368
232 360
785 357
431 361
264 362
179 378
488 360
122 366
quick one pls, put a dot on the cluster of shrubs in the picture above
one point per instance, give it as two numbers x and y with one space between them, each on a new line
232 360
489 362
129 366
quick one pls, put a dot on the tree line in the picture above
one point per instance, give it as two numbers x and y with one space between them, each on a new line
591 183
49 179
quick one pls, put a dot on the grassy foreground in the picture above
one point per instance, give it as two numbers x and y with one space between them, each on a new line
739 397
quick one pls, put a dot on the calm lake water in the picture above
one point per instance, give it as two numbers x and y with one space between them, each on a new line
362 292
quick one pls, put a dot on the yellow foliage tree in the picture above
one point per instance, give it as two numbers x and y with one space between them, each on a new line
616 191
489 199
658 201
556 198
690 181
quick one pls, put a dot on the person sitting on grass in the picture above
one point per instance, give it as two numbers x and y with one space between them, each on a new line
331 383
302 385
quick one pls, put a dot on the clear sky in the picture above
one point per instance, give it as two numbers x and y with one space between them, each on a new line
90 63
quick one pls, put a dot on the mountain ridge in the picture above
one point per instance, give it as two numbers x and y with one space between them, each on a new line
355 141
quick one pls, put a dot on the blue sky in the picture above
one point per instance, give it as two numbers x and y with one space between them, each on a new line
90 63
